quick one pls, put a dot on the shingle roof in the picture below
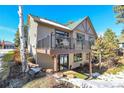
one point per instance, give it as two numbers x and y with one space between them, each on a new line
69 26
74 24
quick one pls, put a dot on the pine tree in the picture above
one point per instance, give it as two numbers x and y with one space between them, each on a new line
17 39
119 10
111 44
98 49
105 47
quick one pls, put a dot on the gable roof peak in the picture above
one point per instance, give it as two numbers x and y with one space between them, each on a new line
76 23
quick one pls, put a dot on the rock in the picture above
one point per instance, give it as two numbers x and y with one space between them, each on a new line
58 75
49 71
3 83
63 84
95 75
15 83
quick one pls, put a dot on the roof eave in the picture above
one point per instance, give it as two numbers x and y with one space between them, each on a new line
37 19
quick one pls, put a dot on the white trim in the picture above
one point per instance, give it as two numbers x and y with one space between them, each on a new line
53 23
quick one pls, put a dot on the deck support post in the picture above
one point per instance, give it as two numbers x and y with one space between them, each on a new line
55 63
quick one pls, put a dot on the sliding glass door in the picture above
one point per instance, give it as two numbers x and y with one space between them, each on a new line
63 62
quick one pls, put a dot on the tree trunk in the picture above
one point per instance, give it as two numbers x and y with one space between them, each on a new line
22 40
100 57
90 66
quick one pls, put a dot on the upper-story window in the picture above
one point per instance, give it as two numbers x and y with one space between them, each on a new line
80 40
91 41
61 34
62 40
80 37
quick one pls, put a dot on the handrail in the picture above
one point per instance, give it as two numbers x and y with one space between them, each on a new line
62 43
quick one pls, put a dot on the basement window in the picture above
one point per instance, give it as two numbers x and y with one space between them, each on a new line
78 57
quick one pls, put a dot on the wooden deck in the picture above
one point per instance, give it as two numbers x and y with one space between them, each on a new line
60 51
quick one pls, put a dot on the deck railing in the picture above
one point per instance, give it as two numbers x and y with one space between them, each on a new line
53 42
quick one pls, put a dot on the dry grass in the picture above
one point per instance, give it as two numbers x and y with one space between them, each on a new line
9 57
17 58
75 74
115 70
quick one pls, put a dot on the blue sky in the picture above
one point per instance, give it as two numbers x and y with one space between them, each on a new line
102 17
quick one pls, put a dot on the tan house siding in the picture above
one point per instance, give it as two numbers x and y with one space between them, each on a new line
44 31
45 61
76 64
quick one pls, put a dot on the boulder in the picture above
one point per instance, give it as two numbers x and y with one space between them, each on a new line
58 75
96 74
32 65
49 71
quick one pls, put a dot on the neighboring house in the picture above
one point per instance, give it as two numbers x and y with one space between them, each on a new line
121 44
121 41
6 45
60 47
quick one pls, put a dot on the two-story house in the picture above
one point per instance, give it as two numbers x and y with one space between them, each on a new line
57 46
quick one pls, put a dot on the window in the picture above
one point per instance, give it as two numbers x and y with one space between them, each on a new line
62 39
61 34
78 57
80 37
91 41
